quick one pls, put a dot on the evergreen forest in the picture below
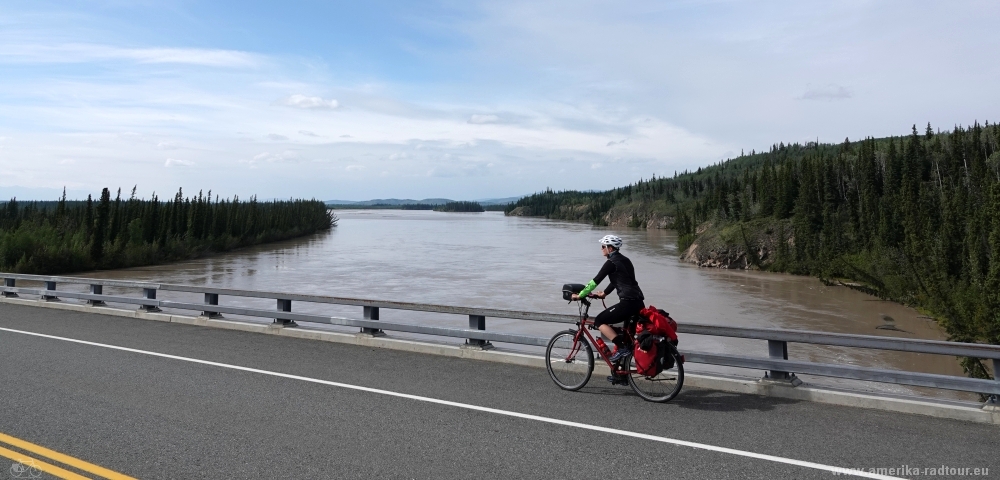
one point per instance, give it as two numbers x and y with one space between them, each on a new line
915 219
72 236
459 207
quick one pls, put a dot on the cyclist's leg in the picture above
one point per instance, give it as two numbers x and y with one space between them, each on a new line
616 313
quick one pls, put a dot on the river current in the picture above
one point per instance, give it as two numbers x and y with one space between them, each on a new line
489 260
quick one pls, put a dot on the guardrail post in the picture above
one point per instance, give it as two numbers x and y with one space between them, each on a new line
9 282
213 299
477 322
96 290
284 306
778 350
993 402
371 313
149 294
49 287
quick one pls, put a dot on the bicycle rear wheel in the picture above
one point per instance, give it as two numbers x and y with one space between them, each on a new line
660 388
570 363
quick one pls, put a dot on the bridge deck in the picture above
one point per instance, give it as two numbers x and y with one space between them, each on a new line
154 417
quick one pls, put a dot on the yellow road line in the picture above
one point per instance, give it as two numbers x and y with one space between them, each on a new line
62 458
45 467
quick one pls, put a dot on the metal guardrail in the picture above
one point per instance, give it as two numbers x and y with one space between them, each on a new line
777 365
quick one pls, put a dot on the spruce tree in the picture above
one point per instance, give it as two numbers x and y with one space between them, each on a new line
116 218
61 207
101 226
88 218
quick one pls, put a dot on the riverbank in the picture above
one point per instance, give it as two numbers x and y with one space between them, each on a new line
651 215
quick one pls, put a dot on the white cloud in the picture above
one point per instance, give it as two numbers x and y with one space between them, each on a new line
619 142
308 133
276 137
460 169
172 162
828 92
284 157
311 103
354 168
478 119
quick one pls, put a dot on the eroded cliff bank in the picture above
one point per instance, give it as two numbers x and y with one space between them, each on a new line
747 245
633 215
754 244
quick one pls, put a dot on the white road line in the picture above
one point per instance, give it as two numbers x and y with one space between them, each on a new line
554 421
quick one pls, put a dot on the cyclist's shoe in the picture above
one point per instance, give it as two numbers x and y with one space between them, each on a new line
620 353
618 379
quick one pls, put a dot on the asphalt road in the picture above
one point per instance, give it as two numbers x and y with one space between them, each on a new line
154 417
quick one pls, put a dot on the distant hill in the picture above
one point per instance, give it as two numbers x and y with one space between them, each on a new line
498 201
426 201
390 201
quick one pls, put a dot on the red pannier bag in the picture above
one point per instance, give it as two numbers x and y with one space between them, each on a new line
655 323
645 360
658 323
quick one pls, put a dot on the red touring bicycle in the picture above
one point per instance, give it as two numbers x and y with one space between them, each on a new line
569 359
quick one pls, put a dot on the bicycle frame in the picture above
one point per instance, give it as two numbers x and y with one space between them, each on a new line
584 328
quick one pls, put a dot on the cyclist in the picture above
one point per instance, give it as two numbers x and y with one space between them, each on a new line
618 268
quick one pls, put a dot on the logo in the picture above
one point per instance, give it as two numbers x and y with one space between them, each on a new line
25 470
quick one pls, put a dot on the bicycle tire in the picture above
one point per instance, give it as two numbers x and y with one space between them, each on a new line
569 372
664 386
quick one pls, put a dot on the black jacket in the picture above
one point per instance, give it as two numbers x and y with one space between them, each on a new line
618 268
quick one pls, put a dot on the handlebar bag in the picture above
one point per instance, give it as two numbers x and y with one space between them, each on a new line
571 289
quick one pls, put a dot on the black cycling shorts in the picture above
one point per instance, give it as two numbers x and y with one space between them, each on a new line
619 312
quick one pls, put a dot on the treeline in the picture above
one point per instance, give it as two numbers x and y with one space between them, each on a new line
573 205
916 219
459 207
64 236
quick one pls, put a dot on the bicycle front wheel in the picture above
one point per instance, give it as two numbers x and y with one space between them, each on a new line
570 362
660 388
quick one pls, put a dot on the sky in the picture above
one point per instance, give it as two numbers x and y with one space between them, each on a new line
462 99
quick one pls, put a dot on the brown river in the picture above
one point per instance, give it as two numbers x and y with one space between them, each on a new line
489 260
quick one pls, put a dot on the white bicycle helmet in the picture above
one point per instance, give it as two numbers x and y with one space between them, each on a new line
613 240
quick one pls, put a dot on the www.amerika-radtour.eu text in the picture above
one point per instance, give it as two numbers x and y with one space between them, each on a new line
908 471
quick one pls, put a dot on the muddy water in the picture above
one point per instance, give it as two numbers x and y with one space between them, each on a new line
489 260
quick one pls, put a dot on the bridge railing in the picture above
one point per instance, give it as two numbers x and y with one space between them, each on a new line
779 368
